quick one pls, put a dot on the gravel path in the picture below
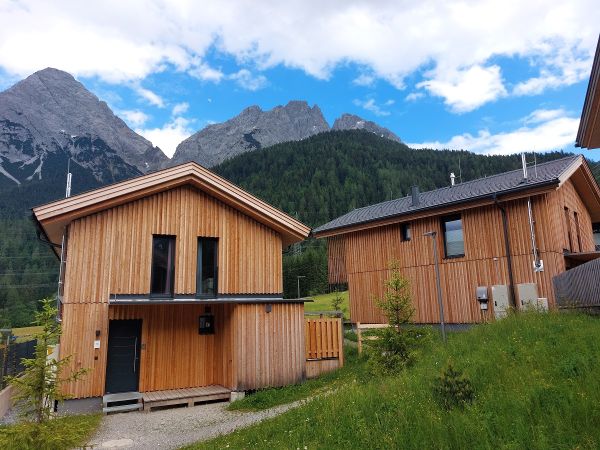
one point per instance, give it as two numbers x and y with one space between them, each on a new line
173 428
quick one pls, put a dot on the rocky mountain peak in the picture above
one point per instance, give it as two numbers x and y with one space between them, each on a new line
354 122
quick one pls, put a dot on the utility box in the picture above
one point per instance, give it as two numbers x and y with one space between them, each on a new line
481 293
500 298
542 304
528 295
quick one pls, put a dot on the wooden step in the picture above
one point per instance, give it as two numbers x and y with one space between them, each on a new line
122 408
122 397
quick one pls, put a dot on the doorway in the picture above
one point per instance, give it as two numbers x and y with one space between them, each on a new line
123 359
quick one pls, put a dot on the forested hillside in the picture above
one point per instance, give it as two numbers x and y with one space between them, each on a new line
315 180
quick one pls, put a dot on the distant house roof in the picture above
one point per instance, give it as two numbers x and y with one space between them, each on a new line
588 135
545 174
54 216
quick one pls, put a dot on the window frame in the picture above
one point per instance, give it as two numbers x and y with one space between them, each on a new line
199 267
405 232
451 218
173 240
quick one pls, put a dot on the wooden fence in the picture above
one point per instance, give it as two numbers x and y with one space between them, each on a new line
579 287
324 339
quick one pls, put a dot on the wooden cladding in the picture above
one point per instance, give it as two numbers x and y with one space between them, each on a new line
362 257
268 346
324 338
251 348
110 252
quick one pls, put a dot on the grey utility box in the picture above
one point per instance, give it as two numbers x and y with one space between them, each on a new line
528 295
500 298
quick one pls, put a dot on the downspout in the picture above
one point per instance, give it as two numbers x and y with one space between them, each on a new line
511 284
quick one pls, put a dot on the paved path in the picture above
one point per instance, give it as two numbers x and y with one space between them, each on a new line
173 428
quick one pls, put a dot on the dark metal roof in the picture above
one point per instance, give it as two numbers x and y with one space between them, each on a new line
543 174
588 133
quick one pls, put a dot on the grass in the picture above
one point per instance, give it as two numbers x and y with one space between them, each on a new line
322 302
266 398
536 384
25 333
57 434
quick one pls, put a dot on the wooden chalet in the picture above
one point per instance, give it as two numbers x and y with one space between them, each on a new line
588 135
502 237
173 280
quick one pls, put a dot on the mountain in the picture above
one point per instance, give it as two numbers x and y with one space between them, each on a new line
252 129
352 122
49 117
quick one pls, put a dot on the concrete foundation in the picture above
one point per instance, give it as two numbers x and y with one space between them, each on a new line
235 396
80 406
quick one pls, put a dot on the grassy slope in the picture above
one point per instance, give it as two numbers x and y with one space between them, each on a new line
323 303
536 382
58 434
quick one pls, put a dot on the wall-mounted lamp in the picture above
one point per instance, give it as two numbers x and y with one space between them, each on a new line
97 333
268 308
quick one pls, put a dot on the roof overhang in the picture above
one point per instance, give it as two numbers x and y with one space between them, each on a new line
55 216
588 135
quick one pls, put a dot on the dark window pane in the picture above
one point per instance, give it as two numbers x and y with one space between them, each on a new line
454 243
163 265
405 230
206 280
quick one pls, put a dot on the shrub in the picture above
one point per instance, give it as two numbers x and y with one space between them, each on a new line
453 389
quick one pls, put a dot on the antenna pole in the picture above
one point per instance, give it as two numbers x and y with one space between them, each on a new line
61 269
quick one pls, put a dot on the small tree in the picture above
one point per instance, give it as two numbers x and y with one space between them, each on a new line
39 384
337 301
395 346
453 389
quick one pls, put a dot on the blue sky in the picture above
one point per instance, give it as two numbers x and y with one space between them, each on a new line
486 76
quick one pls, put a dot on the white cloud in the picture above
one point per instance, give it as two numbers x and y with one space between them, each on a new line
246 80
134 118
467 89
180 108
206 73
542 130
414 96
169 136
372 106
126 41
365 79
150 97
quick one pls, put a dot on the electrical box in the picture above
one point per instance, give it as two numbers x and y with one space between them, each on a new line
528 295
482 293
206 324
500 298
542 304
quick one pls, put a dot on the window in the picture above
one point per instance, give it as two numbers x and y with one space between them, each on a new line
568 224
576 217
454 243
405 232
163 266
206 277
596 231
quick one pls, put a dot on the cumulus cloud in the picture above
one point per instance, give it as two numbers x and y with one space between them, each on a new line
372 106
542 130
414 96
365 79
468 89
246 80
134 118
151 97
454 39
180 108
169 135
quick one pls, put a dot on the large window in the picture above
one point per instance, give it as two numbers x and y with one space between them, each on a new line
163 266
206 277
454 242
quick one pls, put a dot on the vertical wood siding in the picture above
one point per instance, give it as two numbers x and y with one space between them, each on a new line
268 347
110 252
363 257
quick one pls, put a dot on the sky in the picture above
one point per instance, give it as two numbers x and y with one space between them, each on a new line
492 77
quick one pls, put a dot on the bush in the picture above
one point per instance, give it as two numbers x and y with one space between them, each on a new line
394 350
452 389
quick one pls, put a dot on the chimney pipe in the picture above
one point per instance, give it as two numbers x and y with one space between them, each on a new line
524 162
452 178
415 195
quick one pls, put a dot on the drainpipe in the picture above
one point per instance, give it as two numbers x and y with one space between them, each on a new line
511 284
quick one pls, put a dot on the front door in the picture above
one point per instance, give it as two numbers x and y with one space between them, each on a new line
123 360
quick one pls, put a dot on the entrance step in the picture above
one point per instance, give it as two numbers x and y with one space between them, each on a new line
121 402
186 397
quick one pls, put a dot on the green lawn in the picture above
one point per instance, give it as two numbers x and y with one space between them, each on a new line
58 434
25 333
536 384
322 302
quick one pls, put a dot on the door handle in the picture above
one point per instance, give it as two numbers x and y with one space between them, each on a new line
134 354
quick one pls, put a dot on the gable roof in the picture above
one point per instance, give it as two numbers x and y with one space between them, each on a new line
544 175
54 216
588 135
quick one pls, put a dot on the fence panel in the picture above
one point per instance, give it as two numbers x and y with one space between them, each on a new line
579 287
11 359
324 339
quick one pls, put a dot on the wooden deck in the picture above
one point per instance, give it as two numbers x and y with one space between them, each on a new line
187 397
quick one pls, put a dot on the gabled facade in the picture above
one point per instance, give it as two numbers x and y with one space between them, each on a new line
484 238
174 280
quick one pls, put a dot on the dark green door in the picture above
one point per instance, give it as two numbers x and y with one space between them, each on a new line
123 359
